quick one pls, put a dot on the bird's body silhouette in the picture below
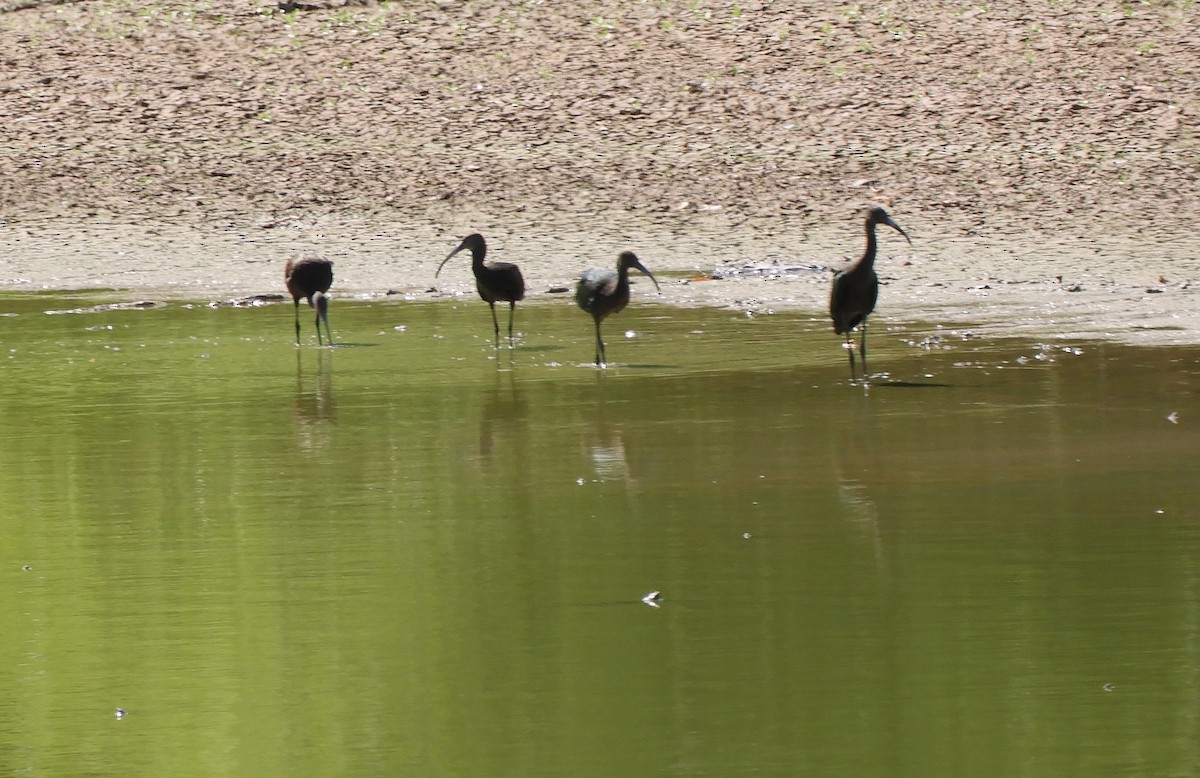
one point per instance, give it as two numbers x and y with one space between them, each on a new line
856 289
495 281
309 279
604 292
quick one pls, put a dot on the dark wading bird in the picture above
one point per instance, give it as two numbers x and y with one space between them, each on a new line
601 292
309 279
495 281
855 289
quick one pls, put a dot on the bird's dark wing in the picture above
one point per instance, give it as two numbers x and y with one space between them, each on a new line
505 281
841 305
851 299
314 274
594 285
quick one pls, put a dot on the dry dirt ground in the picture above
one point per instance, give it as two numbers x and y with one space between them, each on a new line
1044 157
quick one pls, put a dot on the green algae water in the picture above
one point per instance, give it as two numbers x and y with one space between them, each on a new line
413 554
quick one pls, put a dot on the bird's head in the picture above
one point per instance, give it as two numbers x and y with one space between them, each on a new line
320 301
629 260
474 242
877 215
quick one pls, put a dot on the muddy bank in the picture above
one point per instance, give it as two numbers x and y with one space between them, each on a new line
1041 159
1089 286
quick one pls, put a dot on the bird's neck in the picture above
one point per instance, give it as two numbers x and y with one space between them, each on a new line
477 256
868 257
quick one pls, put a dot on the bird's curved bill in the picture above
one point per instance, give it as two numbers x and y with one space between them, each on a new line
898 229
642 268
461 246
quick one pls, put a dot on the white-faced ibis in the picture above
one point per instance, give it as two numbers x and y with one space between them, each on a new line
495 281
856 288
309 279
601 292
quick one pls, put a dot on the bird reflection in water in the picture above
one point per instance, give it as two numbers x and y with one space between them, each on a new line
314 409
503 417
861 510
605 443
857 502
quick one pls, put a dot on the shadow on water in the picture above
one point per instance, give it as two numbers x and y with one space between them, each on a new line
212 529
910 384
645 366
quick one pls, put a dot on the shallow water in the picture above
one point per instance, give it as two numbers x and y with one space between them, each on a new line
413 555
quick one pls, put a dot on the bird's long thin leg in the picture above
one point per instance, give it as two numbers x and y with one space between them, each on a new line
297 307
495 323
512 311
850 351
863 349
600 357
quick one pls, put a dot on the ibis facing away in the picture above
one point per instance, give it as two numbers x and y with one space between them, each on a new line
601 292
309 279
495 281
856 288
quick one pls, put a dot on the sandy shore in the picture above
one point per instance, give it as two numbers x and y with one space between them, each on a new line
1093 286
1044 162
